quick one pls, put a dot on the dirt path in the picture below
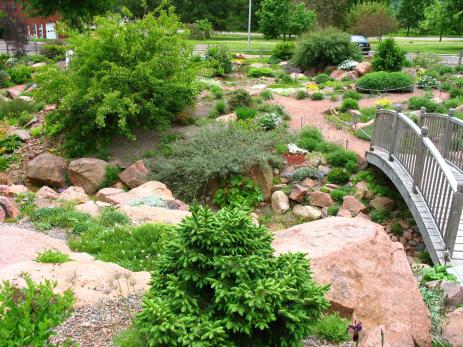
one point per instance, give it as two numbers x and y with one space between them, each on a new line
308 112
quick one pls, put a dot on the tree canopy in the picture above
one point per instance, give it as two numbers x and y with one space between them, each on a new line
371 19
411 13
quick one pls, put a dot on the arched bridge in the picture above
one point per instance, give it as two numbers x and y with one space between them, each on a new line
425 162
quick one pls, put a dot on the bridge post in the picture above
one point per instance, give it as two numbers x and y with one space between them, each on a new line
447 139
375 129
454 219
419 163
420 116
395 128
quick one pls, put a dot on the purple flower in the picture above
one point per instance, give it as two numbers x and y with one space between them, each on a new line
355 330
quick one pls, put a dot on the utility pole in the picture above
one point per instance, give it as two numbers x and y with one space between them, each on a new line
249 24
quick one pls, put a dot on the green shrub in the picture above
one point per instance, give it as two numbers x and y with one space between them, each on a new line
453 103
323 48
219 60
219 108
269 121
445 86
352 94
322 78
111 176
217 91
397 229
338 176
52 256
438 273
456 92
4 79
9 144
144 79
389 56
134 248
331 327
215 153
12 110
20 74
317 96
307 172
301 94
260 72
240 192
29 314
385 81
244 113
239 98
54 51
444 69
339 194
110 217
210 278
380 216
341 158
266 94
283 50
416 102
310 138
333 210
349 104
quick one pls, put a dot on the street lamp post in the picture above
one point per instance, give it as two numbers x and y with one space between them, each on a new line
249 24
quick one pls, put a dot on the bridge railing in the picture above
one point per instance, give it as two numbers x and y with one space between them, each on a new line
431 175
446 132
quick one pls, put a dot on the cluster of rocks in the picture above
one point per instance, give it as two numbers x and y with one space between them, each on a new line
359 71
146 201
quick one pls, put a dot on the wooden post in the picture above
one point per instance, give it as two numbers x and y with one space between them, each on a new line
454 219
460 58
419 163
376 128
420 117
395 129
447 137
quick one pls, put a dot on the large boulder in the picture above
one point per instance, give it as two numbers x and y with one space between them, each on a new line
298 193
135 175
105 195
280 202
371 280
363 68
88 173
382 203
93 208
9 207
46 193
263 176
74 194
146 190
308 213
147 214
91 280
352 205
453 331
47 169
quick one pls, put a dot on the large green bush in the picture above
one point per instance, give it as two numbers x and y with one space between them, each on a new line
383 81
20 74
283 50
54 51
389 57
215 153
219 60
123 75
29 314
323 48
218 283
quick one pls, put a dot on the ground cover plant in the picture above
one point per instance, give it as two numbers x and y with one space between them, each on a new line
215 153
145 78
196 297
29 314
239 192
52 256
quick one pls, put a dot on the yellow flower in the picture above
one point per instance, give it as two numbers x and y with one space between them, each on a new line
312 86
384 102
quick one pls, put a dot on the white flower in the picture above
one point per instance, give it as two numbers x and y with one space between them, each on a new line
294 149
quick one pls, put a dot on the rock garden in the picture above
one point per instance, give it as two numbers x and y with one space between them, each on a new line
214 200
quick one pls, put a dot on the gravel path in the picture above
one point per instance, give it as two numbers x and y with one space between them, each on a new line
309 112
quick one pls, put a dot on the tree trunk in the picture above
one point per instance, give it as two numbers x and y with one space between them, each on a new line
441 34
408 30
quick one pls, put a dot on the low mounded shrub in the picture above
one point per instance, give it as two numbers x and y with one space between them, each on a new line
301 94
4 79
215 153
208 287
456 92
385 81
260 72
416 102
352 94
239 98
323 48
341 158
338 176
20 74
244 113
54 51
322 78
307 172
349 104
318 96
283 50
332 328
310 138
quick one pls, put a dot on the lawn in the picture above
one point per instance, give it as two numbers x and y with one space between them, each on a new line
239 43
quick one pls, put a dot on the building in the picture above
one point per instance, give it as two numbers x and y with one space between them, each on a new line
37 26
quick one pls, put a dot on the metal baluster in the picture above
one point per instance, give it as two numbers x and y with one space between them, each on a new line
419 164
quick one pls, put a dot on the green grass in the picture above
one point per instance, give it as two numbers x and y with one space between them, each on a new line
444 47
52 257
239 43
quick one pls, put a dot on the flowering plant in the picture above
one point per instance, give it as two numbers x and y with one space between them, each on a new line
427 82
312 86
294 149
348 65
384 102
270 121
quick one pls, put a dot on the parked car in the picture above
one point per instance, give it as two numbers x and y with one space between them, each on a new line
363 43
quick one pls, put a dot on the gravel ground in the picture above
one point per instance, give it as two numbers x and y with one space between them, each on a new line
97 325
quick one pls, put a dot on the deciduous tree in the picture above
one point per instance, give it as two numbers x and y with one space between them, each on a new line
437 18
411 13
371 19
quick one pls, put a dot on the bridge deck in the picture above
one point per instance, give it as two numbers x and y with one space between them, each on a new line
423 217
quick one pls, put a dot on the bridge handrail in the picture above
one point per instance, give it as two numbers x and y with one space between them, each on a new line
446 132
432 177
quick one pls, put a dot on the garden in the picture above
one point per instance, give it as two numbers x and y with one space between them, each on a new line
186 168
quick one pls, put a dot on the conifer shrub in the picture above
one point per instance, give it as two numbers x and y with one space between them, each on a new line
390 57
218 283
